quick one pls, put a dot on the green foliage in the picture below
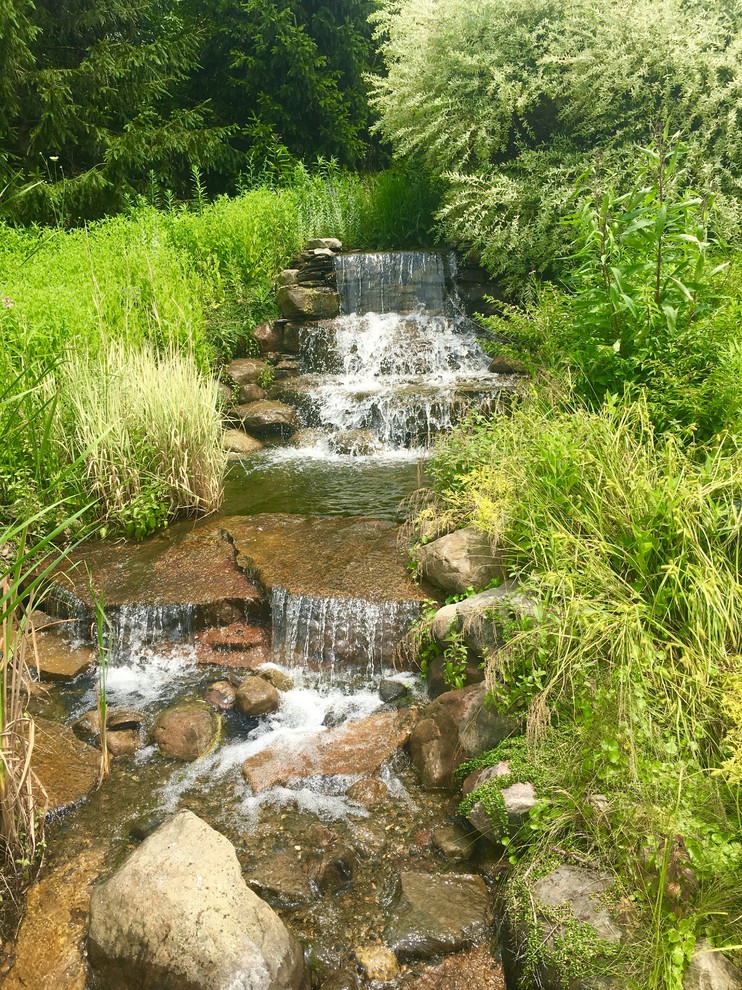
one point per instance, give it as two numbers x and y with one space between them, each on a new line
646 306
629 544
511 106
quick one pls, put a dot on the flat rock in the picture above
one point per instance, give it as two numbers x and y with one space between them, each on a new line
67 768
454 728
350 749
50 948
328 243
257 696
248 659
472 970
235 636
186 731
436 914
298 302
179 915
57 660
239 442
460 560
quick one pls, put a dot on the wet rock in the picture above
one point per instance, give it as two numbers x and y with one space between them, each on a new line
307 438
297 302
460 560
269 336
367 839
248 394
277 677
353 748
235 636
507 366
222 695
57 660
369 792
455 727
283 877
270 419
342 979
67 768
293 337
391 690
377 962
453 842
247 371
123 742
436 914
50 948
186 731
249 659
568 892
710 970
203 927
287 368
472 970
328 243
359 443
142 829
335 869
332 719
238 442
257 696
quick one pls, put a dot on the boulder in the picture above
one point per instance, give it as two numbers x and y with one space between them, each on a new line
222 695
300 302
359 443
455 727
293 337
247 371
224 397
178 916
277 677
392 690
269 337
57 660
432 915
287 277
257 696
284 880
519 798
567 894
711 970
462 559
123 742
475 616
269 419
453 842
350 749
239 443
309 437
186 731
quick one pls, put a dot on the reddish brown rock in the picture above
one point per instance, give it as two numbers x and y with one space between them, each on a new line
222 695
472 970
352 748
236 636
369 792
256 697
67 768
123 742
233 659
252 393
50 949
186 731
269 337
57 660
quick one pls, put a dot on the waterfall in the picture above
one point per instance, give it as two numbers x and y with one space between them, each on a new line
396 282
328 633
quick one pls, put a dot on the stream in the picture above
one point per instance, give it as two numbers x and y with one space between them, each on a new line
301 569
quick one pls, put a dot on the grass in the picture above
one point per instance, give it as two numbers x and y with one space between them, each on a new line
630 543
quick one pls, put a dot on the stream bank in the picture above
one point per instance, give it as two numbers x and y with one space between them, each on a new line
287 621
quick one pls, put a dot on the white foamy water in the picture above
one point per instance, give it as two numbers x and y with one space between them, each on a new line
297 722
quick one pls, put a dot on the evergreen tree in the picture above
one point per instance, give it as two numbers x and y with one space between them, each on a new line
89 102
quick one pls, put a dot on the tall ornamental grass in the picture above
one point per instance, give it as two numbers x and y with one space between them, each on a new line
150 431
629 544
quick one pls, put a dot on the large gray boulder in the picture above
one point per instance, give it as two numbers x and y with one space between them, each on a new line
480 617
543 917
268 419
462 559
455 727
710 970
300 302
178 916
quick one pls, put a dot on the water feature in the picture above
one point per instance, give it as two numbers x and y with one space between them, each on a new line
376 386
